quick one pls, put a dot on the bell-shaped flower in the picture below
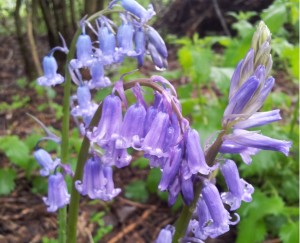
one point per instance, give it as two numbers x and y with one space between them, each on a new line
155 161
110 122
159 61
132 129
84 52
174 190
109 191
93 178
187 190
114 156
170 169
51 77
85 108
140 45
219 215
255 140
58 195
229 147
239 189
152 112
259 119
154 140
136 9
204 219
45 161
98 80
194 228
125 37
107 42
194 154
155 39
166 235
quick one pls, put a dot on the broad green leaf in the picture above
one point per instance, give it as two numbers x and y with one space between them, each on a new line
289 233
246 231
137 191
252 215
7 181
275 16
16 150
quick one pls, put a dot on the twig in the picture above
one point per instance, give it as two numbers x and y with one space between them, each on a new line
221 18
135 204
132 226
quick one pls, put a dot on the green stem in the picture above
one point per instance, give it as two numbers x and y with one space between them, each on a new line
75 196
62 215
295 117
187 211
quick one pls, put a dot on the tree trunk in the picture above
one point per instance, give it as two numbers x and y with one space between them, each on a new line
22 42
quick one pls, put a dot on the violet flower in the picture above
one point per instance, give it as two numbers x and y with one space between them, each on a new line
239 189
125 37
114 156
85 108
58 195
255 140
51 77
166 235
84 52
229 147
107 42
170 169
140 45
132 128
110 122
194 154
98 80
259 119
45 161
136 9
154 140
109 191
93 178
220 216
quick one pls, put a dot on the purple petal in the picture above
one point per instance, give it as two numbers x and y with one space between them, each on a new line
170 169
195 156
255 140
58 195
238 188
259 119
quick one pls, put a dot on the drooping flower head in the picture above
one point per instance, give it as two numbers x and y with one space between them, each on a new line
58 195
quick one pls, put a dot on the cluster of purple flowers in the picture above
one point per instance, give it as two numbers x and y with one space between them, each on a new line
159 130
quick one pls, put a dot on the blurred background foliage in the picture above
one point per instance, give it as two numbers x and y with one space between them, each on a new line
206 55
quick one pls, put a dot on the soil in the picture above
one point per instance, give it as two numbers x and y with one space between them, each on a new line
23 215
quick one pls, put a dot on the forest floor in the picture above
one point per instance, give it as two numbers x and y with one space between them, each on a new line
23 215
